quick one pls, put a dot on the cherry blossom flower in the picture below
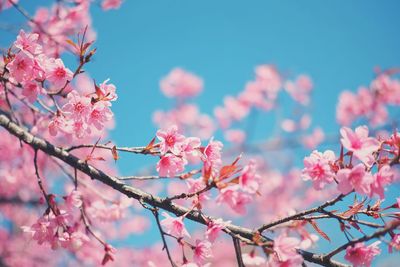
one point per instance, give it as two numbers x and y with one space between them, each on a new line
361 255
236 109
300 89
100 114
202 251
359 143
22 67
171 140
212 153
214 228
285 247
249 180
235 199
107 91
195 185
174 226
317 168
251 259
190 148
55 125
356 178
58 74
110 4
28 42
383 178
347 109
314 139
235 136
42 231
181 84
30 90
78 107
269 79
169 165
73 241
74 199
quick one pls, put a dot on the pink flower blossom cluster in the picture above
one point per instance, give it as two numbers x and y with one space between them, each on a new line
323 168
181 84
361 255
29 68
370 102
83 115
286 255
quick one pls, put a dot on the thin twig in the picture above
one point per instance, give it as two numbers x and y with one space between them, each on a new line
238 252
390 226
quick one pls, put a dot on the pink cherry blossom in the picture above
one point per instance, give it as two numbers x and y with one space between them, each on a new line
235 136
107 91
73 241
317 168
100 114
251 259
191 148
236 109
356 178
195 185
171 140
300 89
358 142
181 84
361 255
202 251
42 231
383 178
74 199
285 247
22 67
347 109
28 42
249 180
233 198
174 226
58 74
169 165
78 107
110 4
212 153
269 79
30 90
314 139
214 228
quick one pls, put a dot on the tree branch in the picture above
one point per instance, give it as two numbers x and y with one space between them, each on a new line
132 192
238 252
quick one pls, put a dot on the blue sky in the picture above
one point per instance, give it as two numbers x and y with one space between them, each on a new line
337 43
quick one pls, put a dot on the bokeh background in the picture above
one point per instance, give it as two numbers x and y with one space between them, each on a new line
337 43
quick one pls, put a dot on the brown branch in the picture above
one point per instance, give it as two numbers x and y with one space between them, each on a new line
181 176
162 233
135 150
19 201
238 252
390 226
132 192
302 213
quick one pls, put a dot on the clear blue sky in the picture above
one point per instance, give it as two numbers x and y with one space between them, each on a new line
338 43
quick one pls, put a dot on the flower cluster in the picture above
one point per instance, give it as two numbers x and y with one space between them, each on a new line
324 168
84 114
370 102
